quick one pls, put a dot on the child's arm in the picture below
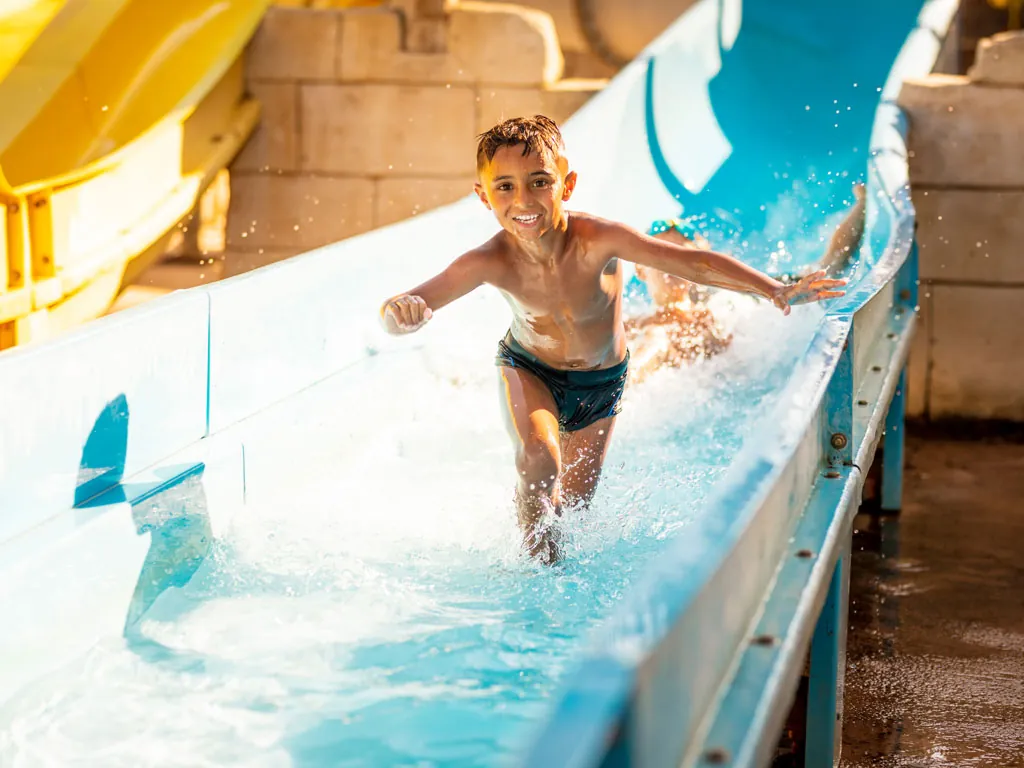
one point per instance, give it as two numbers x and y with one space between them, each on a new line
716 269
408 312
846 239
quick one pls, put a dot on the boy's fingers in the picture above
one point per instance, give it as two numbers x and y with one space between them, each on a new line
817 284
395 310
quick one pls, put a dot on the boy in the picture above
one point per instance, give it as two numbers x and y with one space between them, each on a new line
563 363
681 328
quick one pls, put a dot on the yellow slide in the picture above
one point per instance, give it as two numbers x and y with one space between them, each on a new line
114 117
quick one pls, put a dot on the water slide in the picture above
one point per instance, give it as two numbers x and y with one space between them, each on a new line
116 114
239 525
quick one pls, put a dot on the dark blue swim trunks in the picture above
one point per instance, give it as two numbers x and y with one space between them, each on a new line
582 397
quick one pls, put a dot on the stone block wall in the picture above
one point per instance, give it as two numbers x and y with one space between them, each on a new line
365 124
967 180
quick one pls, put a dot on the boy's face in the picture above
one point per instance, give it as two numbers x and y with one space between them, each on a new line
525 192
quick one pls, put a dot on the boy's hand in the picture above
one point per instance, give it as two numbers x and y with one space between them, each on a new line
812 287
405 314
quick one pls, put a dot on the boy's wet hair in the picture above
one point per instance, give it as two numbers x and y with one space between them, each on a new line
536 134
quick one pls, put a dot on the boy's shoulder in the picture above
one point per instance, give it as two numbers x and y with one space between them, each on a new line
589 224
488 257
597 231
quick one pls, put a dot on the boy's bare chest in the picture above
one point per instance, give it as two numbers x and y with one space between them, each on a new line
568 290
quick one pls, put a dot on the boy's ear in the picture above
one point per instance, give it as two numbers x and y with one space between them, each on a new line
570 185
482 194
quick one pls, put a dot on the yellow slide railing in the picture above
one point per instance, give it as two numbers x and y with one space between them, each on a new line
114 117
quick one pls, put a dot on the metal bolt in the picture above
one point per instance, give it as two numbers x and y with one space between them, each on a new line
40 202
764 640
838 441
805 554
717 756
862 402
876 368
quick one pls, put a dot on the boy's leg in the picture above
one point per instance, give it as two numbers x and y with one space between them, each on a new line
583 453
531 419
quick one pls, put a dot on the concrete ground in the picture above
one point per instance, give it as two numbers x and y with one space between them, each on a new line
935 657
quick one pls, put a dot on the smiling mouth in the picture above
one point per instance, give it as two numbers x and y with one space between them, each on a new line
533 218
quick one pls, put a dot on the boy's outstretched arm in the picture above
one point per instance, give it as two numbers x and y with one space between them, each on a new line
717 270
408 312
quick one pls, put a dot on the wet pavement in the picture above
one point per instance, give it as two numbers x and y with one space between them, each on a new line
935 657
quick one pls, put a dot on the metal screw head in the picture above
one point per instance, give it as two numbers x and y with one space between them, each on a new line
890 335
804 554
717 756
831 474
905 295
876 368
838 441
764 640
862 402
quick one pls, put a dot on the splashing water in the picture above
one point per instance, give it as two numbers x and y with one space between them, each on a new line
380 611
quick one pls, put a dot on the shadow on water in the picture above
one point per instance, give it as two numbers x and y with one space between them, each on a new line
171 508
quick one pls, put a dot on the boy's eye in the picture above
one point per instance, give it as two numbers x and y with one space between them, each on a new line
541 183
505 187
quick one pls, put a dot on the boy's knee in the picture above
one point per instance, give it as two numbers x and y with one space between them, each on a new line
538 463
